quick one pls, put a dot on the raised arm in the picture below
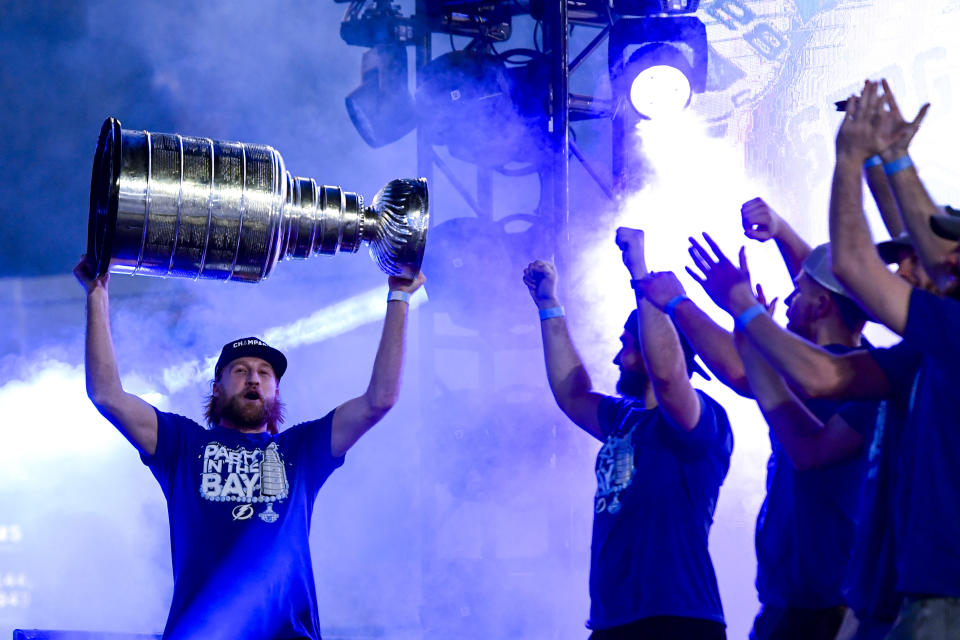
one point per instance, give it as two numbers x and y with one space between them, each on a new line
809 442
659 344
894 133
712 342
569 380
856 263
354 417
810 369
883 196
132 416
761 222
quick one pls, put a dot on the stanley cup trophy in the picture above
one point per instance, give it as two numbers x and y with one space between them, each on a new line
169 205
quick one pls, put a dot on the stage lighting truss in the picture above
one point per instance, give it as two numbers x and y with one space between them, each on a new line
487 21
654 7
382 109
364 25
657 63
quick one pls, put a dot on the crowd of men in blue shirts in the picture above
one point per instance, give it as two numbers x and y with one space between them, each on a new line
859 533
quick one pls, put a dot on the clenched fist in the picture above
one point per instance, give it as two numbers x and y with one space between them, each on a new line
540 277
630 241
760 221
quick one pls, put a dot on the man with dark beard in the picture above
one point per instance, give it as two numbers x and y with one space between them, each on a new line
240 494
666 450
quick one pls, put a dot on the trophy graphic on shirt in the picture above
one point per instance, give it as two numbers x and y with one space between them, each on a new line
273 478
168 205
273 481
615 469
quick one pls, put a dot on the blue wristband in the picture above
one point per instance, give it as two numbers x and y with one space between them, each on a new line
671 306
552 312
747 316
872 161
897 165
402 296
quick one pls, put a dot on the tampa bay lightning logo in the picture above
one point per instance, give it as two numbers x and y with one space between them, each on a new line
614 472
242 512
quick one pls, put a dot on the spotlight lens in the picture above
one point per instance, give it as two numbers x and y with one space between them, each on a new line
660 90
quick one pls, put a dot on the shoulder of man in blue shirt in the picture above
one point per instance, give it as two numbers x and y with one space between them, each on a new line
712 434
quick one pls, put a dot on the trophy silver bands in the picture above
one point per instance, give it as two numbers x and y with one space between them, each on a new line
173 206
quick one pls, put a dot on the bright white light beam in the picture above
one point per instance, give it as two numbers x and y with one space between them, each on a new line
326 323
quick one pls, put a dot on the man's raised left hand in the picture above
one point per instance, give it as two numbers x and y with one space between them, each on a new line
630 242
660 287
406 285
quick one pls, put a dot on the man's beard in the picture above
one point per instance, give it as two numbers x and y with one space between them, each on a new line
799 329
243 414
632 384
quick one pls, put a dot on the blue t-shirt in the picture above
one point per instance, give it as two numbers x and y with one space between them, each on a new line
240 507
926 511
806 524
657 489
870 586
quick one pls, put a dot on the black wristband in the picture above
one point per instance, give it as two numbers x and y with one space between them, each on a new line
635 285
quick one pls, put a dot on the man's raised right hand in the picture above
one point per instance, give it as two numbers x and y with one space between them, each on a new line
726 284
87 277
760 221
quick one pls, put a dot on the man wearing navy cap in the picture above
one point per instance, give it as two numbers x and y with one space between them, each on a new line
240 493
666 450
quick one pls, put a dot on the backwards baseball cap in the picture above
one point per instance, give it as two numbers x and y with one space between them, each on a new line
890 250
632 326
251 348
947 226
819 267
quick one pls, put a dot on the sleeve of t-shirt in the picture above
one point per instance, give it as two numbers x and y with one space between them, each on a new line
314 450
611 412
862 418
933 326
705 433
899 363
171 431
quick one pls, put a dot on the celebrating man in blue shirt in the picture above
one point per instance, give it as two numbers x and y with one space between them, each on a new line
806 524
912 523
666 450
240 494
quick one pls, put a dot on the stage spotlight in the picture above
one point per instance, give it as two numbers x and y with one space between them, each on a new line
660 84
658 63
481 110
382 108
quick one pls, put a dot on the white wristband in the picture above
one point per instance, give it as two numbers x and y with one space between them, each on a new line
402 296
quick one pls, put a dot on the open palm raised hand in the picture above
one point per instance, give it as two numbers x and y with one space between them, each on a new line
726 284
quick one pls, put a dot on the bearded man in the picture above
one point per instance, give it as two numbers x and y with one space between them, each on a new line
240 494
666 450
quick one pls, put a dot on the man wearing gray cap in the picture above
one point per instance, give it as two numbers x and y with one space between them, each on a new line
806 523
908 557
240 493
